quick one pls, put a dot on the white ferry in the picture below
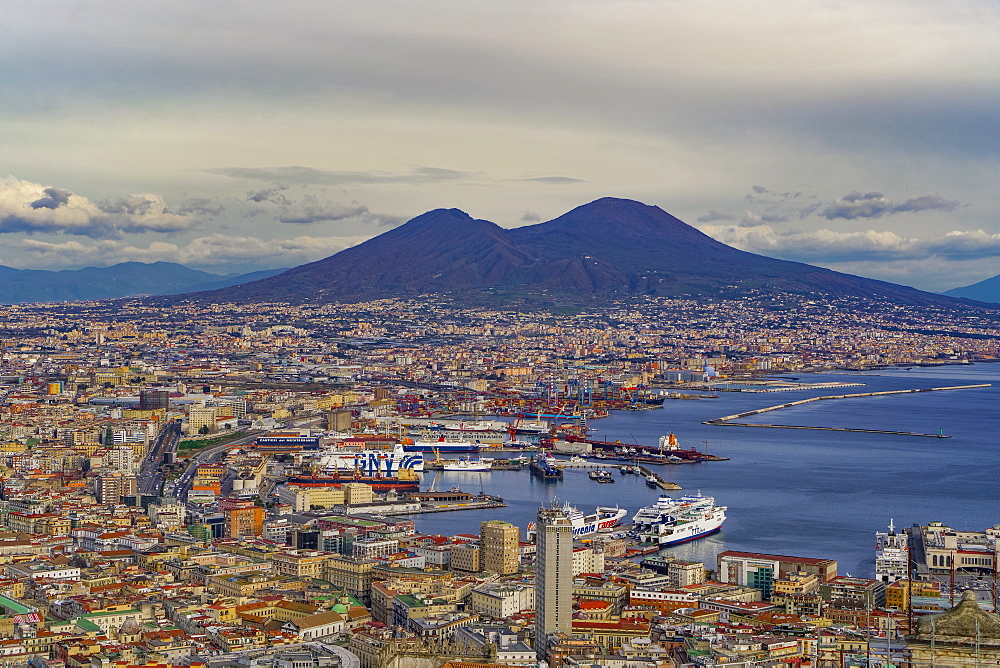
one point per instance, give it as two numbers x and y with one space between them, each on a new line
602 519
674 521
371 462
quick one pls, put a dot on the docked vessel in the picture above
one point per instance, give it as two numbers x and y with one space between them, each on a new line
405 481
439 445
601 475
674 521
602 519
475 464
370 462
478 425
543 466
892 555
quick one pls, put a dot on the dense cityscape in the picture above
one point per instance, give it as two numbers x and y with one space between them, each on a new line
237 486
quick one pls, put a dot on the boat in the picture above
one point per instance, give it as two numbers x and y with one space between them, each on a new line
674 521
405 481
479 425
604 518
439 444
624 470
468 464
652 480
600 475
369 462
543 466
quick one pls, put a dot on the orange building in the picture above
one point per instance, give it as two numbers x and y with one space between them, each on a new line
244 519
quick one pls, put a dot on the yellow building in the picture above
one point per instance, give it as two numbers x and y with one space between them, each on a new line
499 547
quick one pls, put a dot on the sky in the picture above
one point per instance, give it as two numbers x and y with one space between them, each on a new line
238 136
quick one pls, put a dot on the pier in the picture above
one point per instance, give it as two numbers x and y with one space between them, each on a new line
660 482
728 420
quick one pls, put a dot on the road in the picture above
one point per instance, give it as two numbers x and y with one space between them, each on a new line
150 476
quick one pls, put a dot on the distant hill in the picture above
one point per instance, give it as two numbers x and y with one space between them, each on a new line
987 290
607 248
128 279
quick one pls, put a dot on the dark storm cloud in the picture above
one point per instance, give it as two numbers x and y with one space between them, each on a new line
312 210
54 198
874 204
269 195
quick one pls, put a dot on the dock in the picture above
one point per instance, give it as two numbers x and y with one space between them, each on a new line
730 420
660 482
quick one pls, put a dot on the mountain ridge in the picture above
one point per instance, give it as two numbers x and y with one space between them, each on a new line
125 279
606 248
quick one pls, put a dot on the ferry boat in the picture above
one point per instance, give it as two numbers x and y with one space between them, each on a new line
476 464
604 518
439 445
405 481
478 425
370 462
674 521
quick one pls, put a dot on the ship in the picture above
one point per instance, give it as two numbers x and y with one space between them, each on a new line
405 481
602 519
675 521
478 425
475 464
543 466
440 445
892 555
370 462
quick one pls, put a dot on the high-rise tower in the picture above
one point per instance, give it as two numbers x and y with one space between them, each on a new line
553 576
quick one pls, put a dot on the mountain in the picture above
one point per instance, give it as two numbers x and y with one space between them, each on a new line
128 279
985 291
609 247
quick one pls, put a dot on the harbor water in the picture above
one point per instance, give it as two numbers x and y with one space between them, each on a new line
792 491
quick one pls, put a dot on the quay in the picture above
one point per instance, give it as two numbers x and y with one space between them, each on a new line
729 420
660 482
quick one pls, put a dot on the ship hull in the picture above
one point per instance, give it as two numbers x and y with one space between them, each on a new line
680 541
441 446
377 484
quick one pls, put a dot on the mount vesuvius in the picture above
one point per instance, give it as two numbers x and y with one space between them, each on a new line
607 248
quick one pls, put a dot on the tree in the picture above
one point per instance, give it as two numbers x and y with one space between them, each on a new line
204 429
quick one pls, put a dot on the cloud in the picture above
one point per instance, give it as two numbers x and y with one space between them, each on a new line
530 217
296 175
312 210
714 216
202 205
551 180
828 246
269 195
874 204
54 198
212 252
32 208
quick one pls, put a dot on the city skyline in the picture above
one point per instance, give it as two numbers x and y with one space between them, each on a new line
859 138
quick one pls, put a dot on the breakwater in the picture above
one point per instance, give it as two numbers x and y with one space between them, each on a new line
730 420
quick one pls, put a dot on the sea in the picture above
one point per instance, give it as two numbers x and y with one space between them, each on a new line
796 492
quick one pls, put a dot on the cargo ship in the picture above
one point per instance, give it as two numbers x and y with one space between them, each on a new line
675 521
405 481
668 447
